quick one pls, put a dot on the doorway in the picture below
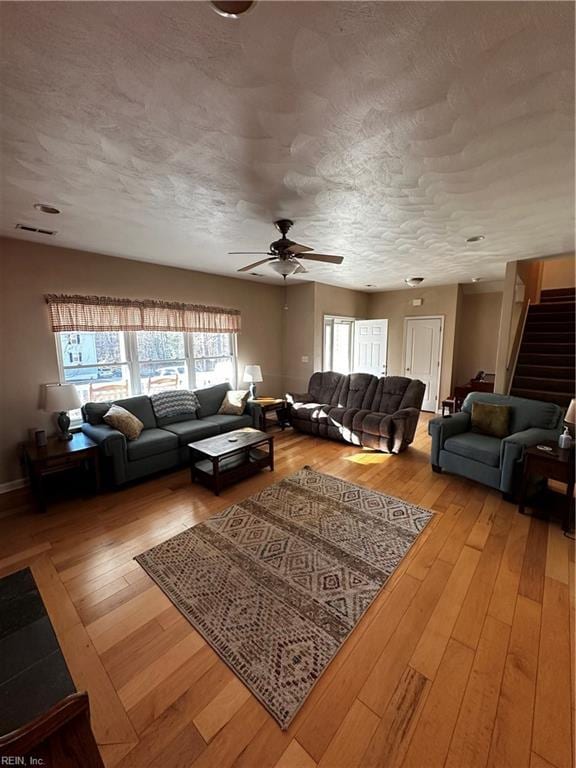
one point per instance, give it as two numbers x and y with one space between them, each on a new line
423 355
371 346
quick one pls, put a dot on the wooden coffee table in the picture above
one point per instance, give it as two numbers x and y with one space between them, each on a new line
224 459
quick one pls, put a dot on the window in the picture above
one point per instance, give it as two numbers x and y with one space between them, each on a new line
109 365
338 343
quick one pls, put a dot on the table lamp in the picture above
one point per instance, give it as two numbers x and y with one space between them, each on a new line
570 418
252 376
60 399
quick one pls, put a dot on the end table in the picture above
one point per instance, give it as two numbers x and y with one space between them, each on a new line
263 405
557 464
60 456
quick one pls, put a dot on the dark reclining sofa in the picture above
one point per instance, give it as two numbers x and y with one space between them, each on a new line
359 408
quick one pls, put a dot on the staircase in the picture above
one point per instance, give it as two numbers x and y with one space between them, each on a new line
545 367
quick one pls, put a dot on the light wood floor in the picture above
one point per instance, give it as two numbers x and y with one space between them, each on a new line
464 660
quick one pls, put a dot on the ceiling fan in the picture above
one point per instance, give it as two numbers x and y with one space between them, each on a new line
283 252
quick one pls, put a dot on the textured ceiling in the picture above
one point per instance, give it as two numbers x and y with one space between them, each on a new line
389 131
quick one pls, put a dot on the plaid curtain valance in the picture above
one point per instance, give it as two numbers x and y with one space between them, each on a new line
103 313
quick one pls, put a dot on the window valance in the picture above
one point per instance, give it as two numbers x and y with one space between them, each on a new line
103 313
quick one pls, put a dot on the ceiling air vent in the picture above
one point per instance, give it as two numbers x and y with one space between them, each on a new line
39 230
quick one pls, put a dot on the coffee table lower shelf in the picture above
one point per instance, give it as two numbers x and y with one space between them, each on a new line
220 471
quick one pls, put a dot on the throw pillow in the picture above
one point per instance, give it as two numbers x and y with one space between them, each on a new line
175 404
234 402
490 419
124 422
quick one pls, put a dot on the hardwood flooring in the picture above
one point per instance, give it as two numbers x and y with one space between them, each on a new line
463 661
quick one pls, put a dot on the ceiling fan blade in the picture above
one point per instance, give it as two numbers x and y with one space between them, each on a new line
322 257
256 264
296 248
249 253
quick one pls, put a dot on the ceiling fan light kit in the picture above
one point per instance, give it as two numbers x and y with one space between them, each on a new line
282 253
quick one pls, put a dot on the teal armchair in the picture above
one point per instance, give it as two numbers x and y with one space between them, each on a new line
490 460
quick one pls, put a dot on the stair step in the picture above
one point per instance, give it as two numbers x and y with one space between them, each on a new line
552 307
545 371
553 348
555 300
544 385
560 398
565 334
551 292
547 326
544 358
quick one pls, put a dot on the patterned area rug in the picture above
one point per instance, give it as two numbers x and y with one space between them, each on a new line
277 582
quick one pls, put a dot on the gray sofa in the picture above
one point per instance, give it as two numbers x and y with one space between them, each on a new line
359 408
163 442
490 460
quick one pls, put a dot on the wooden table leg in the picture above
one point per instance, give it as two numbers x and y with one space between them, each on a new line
216 475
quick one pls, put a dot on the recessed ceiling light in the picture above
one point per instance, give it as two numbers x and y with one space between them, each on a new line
475 239
45 208
231 9
413 281
476 279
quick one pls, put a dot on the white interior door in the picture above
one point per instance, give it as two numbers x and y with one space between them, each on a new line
371 346
422 355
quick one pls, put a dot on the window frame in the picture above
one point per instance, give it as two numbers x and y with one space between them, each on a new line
330 321
129 343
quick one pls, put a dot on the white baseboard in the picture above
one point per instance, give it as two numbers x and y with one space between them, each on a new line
13 485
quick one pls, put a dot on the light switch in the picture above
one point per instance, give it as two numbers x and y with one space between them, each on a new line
305 359
417 302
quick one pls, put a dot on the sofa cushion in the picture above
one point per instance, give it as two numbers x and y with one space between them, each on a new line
358 390
141 407
226 422
94 413
389 394
124 422
376 424
324 386
151 442
192 430
211 398
482 448
308 411
489 419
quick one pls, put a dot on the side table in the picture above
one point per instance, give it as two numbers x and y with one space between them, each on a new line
557 464
264 405
60 456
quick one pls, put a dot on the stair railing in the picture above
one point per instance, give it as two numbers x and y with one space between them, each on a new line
515 349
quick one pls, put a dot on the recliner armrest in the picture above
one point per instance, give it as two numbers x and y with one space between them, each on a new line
405 422
442 428
297 397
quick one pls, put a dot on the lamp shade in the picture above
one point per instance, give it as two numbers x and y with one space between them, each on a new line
570 417
252 374
61 398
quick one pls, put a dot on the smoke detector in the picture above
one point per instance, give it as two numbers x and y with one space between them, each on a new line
413 281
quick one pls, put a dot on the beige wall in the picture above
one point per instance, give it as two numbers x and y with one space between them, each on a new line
559 273
396 305
478 323
298 336
27 348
